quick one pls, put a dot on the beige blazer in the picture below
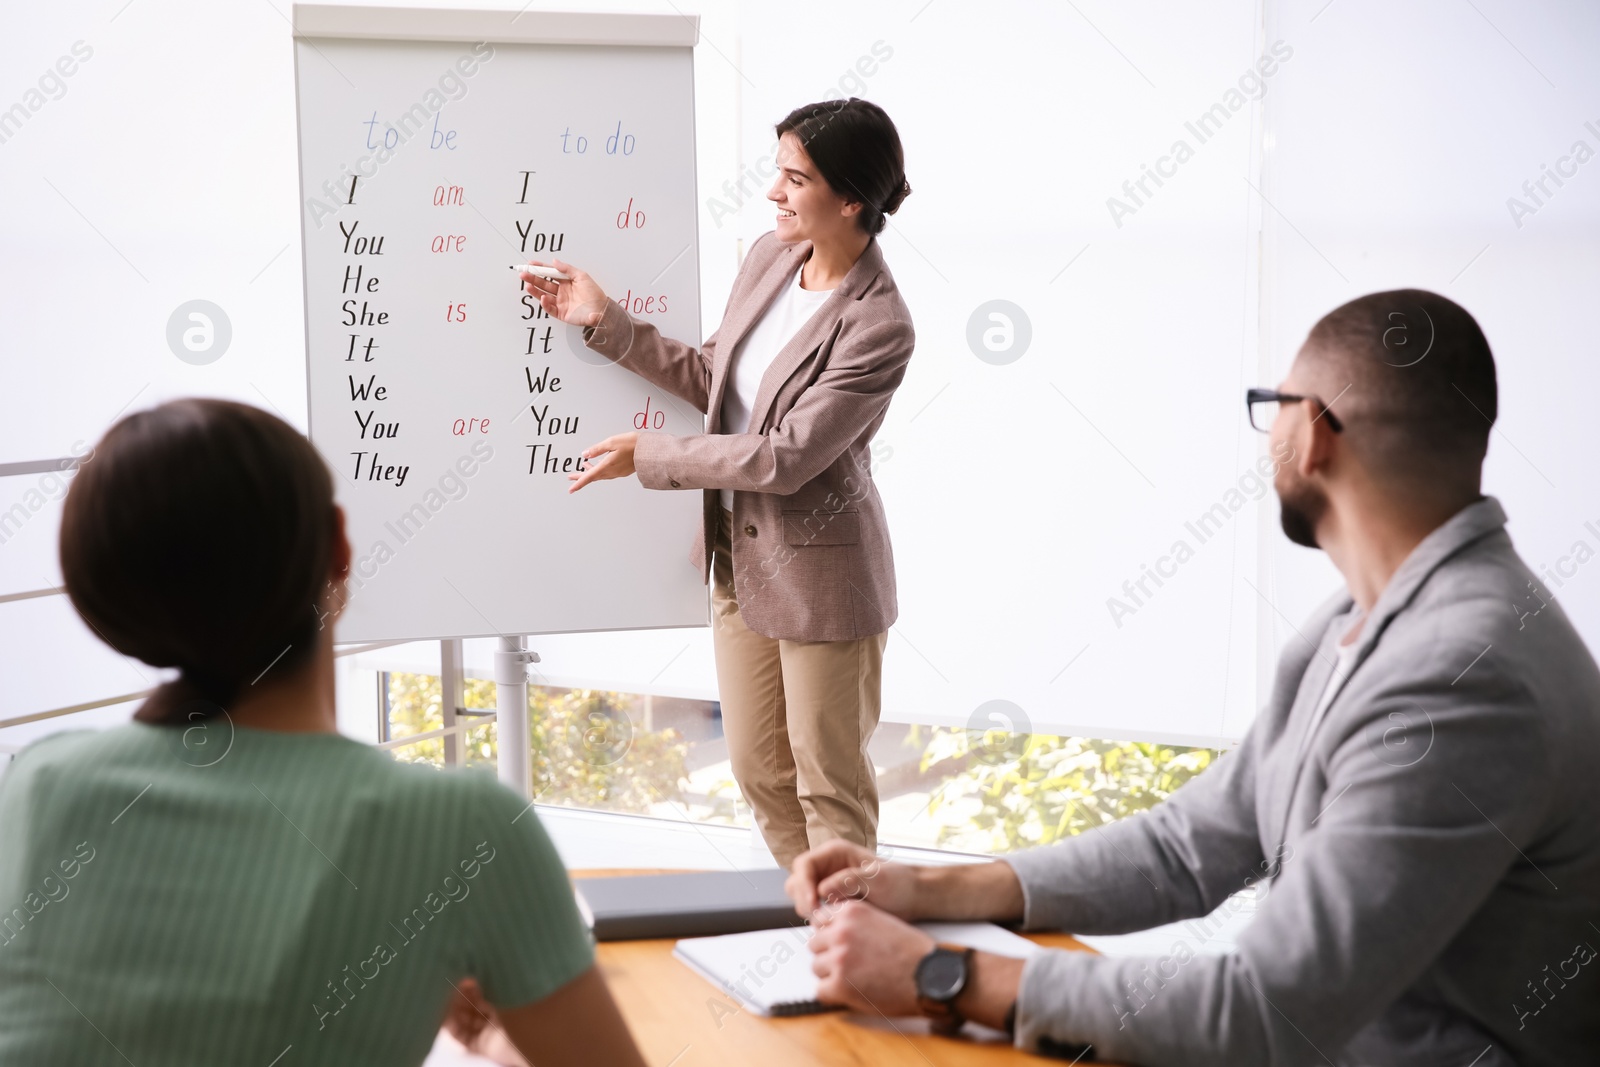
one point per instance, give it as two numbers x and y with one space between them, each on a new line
811 555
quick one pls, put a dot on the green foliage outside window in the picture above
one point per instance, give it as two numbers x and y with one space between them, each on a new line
586 751
989 793
588 754
1009 793
415 707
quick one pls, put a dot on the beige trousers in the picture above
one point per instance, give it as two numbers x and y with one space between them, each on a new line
798 716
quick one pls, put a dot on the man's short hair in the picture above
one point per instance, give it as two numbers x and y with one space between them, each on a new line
1421 394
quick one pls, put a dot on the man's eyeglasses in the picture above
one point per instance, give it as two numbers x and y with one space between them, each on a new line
1263 404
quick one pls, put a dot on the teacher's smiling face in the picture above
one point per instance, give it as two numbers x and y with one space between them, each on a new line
808 208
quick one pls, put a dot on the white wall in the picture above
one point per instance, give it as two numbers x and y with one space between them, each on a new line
164 170
1021 496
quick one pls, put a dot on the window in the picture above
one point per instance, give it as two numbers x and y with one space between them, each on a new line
980 791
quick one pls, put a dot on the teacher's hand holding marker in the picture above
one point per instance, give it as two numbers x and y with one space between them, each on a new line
565 291
794 384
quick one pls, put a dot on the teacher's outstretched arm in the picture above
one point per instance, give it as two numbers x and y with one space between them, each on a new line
680 369
845 401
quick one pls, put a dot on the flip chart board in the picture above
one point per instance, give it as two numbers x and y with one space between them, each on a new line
437 148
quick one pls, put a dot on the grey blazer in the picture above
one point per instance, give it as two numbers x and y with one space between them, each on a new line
1434 858
811 555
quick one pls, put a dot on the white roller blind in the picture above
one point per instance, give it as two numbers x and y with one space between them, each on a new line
1413 174
1023 495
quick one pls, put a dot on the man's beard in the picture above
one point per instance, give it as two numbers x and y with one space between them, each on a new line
1300 508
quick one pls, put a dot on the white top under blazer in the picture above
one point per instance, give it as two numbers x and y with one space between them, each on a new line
788 312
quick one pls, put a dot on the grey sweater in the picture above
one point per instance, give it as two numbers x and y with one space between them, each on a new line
1433 859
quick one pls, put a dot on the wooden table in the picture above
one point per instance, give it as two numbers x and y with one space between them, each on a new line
680 1019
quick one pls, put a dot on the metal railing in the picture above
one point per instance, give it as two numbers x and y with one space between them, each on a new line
106 702
452 672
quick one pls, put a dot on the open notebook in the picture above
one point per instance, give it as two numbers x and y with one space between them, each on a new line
769 971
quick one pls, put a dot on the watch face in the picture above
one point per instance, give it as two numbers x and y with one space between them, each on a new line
941 974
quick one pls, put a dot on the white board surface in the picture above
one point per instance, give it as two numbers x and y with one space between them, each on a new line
428 166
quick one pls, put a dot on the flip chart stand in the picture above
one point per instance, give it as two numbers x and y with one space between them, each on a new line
452 405
511 661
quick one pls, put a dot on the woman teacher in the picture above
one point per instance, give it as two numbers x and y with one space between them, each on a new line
794 383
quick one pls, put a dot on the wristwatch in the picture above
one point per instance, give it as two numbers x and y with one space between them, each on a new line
941 976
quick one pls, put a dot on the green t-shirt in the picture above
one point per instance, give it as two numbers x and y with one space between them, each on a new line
223 895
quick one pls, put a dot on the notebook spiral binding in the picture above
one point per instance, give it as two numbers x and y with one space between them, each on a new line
799 1007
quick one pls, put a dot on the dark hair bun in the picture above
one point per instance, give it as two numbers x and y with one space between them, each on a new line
897 197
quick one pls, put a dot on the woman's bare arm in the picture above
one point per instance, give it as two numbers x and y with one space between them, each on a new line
576 1026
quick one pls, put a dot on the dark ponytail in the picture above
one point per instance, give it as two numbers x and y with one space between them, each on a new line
200 537
857 150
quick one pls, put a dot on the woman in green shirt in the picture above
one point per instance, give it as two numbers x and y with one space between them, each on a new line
227 879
